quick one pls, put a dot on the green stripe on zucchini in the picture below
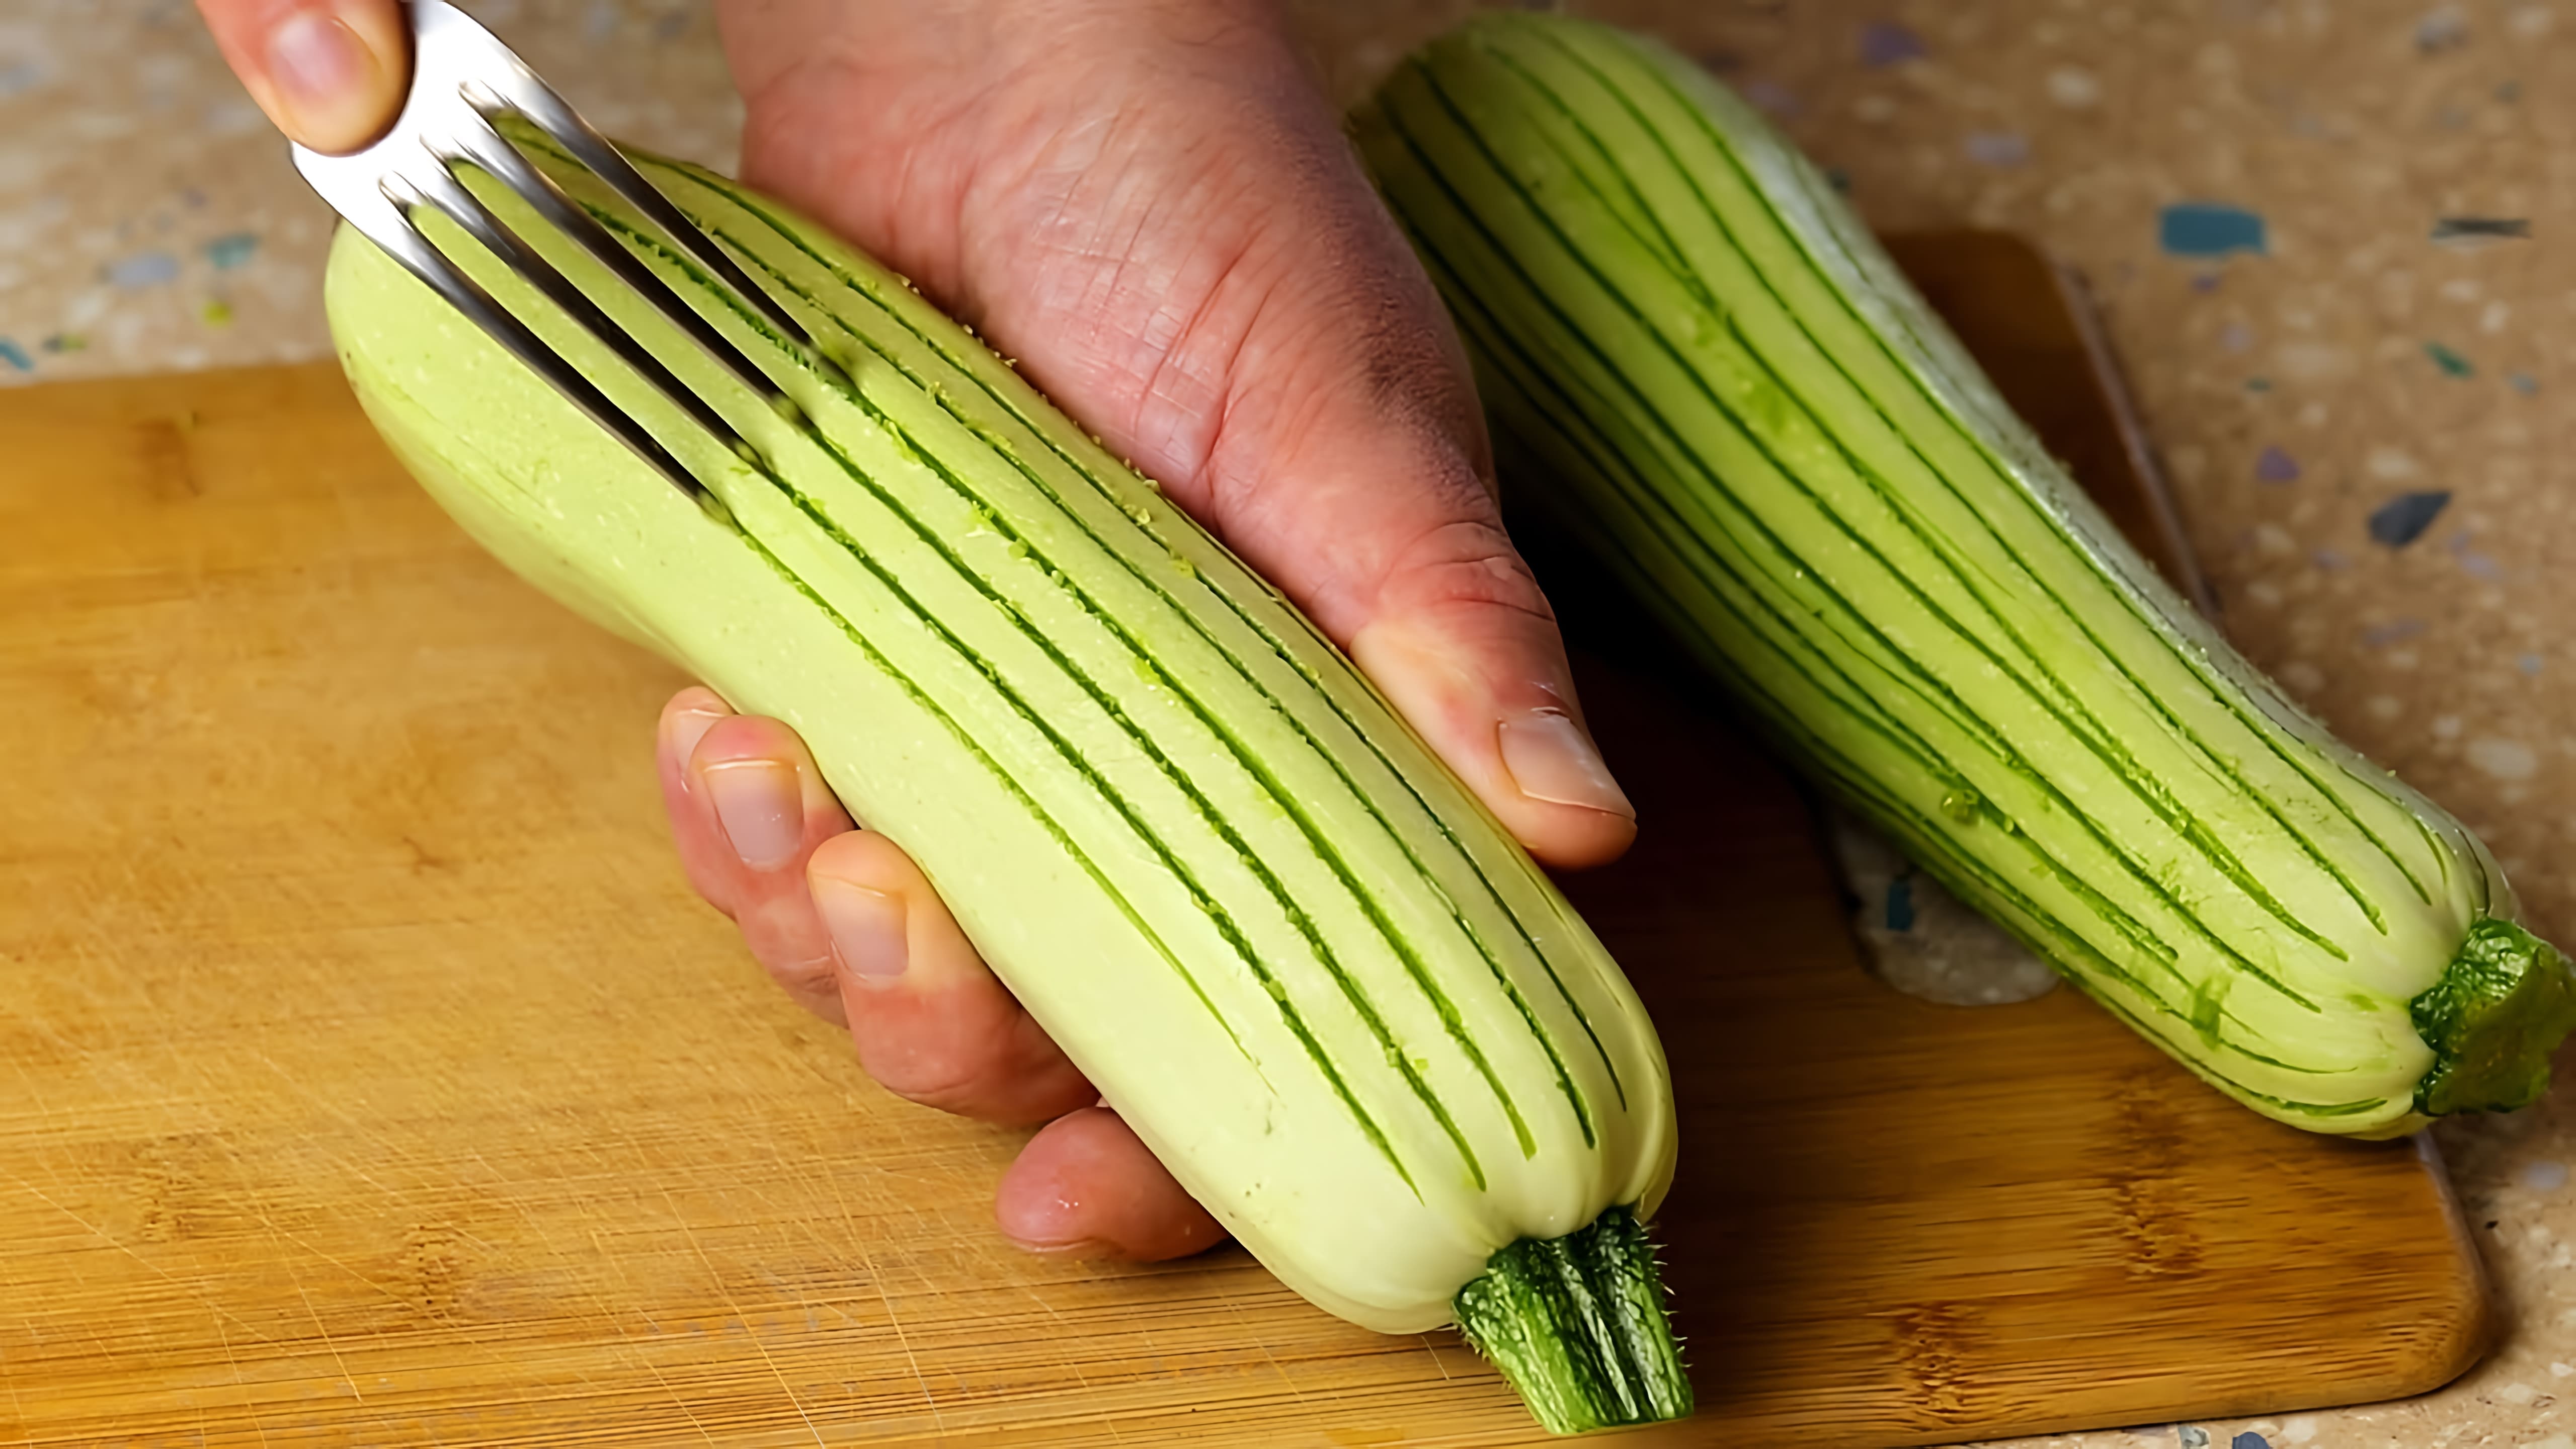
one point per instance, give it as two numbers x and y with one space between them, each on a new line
1734 399
1322 983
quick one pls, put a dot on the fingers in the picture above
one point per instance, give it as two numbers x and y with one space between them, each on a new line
845 922
851 928
1345 457
330 73
1366 497
1462 642
748 807
932 1023
1086 1186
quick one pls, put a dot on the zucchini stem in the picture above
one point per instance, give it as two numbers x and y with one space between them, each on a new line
2503 1004
1577 1324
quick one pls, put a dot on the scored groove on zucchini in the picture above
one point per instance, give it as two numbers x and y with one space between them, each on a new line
1215 819
1142 517
1322 983
1722 387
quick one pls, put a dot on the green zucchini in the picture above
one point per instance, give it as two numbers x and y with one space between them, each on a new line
1729 394
1325 987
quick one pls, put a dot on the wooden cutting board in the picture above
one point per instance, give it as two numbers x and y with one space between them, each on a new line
371 1076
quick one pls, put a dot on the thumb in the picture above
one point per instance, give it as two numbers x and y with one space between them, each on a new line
1469 656
1459 637
330 73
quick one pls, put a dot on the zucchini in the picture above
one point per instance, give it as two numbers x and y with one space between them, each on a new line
1325 987
1721 386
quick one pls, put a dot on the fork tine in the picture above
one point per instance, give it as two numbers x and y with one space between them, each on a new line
443 191
549 113
462 76
423 260
492 151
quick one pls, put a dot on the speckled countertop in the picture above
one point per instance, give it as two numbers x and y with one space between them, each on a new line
2329 238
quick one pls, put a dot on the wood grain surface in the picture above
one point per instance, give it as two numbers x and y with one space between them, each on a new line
373 1078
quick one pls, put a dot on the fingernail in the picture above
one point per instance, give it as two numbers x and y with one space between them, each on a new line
1551 759
866 927
686 728
326 78
760 809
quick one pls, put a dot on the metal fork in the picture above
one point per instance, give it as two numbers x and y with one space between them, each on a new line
463 79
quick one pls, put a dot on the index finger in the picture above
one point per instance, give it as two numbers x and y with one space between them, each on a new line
330 73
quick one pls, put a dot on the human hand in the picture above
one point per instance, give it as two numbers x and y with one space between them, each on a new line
330 73
1149 204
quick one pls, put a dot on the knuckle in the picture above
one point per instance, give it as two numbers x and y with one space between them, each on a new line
1467 562
807 978
955 1087
952 1071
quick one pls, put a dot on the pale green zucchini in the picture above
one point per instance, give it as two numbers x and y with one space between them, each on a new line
1325 986
1729 393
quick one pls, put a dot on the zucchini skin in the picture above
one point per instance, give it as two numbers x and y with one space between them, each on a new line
1732 397
1325 986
